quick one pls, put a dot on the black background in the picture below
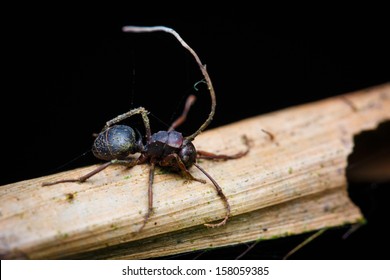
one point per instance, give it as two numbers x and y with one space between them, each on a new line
68 71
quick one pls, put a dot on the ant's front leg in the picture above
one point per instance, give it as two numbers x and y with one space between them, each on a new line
173 160
211 156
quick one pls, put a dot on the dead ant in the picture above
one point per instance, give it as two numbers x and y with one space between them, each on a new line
115 143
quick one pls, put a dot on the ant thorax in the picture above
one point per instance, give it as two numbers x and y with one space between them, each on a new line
163 143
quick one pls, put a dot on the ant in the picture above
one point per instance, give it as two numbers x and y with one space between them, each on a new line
115 143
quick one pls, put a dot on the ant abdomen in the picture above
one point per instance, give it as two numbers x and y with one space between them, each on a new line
116 142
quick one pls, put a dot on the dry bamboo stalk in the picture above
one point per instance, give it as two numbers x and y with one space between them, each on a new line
289 185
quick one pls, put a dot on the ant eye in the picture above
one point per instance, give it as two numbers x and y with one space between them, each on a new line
116 142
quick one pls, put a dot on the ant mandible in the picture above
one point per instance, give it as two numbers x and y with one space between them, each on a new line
115 143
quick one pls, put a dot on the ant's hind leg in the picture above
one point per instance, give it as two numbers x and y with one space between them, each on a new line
211 156
127 162
141 110
82 178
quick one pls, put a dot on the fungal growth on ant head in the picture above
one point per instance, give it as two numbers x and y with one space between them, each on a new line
115 143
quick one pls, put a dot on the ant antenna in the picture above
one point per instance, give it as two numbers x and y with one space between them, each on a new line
201 66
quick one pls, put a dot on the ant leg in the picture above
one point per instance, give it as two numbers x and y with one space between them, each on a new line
141 110
127 163
189 102
168 161
221 195
174 160
207 155
150 197
82 178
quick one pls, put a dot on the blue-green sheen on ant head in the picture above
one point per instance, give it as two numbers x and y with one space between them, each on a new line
116 142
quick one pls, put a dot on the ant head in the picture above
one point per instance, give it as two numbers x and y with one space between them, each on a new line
116 142
187 153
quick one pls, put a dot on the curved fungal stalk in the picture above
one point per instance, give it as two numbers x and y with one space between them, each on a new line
140 29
